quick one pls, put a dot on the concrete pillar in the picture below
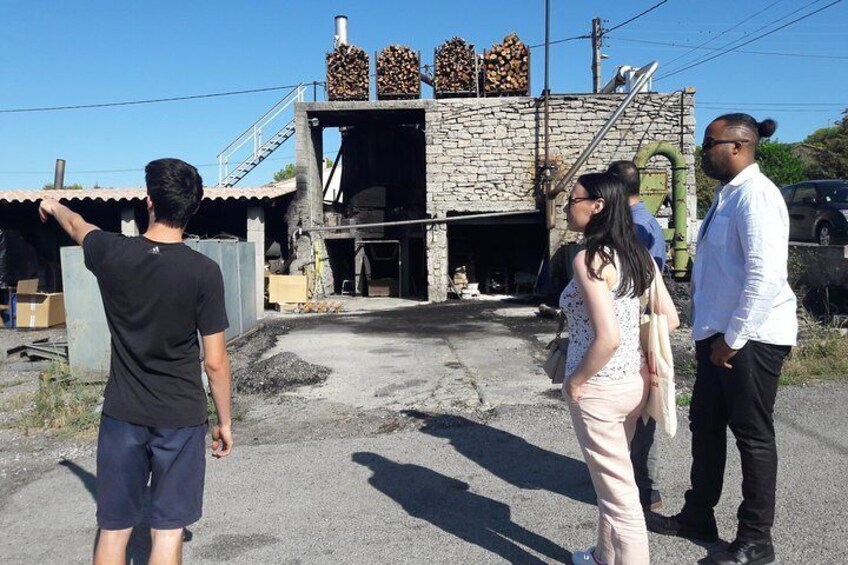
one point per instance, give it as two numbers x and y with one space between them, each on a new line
128 225
256 234
437 261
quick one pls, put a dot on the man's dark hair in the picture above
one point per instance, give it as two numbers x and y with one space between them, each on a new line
628 173
765 128
175 189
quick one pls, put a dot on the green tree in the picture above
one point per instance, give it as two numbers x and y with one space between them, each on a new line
704 186
779 163
827 151
285 173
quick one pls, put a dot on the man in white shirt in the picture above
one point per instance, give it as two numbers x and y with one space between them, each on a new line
744 324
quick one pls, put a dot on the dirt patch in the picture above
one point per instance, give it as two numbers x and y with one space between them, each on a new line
279 373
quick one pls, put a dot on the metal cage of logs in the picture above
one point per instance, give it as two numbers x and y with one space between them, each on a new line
398 73
456 73
348 74
506 68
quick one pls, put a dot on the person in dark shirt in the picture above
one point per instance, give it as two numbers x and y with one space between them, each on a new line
643 454
158 296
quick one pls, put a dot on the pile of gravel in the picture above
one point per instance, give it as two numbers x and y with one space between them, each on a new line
279 373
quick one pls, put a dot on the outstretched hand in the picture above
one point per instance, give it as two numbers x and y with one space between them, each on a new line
46 208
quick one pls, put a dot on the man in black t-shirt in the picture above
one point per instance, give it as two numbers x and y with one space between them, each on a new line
158 295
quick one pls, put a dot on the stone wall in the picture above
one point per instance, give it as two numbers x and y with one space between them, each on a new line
483 154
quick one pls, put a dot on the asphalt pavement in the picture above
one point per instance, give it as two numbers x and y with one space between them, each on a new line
435 439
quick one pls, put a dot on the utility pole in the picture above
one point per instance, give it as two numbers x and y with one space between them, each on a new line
597 40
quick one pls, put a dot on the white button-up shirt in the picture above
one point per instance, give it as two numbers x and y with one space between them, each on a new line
739 282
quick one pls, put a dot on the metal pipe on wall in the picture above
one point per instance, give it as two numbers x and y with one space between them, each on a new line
341 31
581 160
679 168
550 208
423 221
59 175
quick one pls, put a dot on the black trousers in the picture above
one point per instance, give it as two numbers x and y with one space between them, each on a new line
742 398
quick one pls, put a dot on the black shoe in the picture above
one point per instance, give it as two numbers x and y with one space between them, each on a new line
677 526
745 553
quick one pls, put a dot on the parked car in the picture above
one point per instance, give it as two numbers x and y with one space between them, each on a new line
818 211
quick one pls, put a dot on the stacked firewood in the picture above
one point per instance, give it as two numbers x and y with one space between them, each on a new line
456 69
398 73
347 73
506 68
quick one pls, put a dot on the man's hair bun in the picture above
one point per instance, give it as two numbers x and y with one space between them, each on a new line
766 128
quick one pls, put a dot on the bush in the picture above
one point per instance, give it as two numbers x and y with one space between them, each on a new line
64 404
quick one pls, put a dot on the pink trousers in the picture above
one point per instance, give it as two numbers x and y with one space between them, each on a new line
604 421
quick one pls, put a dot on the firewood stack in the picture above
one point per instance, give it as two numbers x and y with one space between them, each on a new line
347 74
456 69
398 73
506 69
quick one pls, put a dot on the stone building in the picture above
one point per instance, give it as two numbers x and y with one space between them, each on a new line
411 166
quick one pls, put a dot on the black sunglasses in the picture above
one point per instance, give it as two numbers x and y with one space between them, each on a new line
710 143
571 199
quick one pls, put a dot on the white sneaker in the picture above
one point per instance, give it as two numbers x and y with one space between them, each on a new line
585 557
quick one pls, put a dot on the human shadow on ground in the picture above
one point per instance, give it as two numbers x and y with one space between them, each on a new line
447 504
140 544
510 457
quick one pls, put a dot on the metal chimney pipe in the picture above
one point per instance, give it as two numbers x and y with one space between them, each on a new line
59 175
341 31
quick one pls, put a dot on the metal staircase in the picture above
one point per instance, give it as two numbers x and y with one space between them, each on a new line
227 177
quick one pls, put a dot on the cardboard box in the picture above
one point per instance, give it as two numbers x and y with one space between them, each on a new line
286 289
38 309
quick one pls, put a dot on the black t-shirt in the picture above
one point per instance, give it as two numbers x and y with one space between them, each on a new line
157 297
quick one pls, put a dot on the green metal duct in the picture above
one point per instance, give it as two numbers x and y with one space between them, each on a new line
680 260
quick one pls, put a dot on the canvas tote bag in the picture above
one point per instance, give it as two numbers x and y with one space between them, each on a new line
656 344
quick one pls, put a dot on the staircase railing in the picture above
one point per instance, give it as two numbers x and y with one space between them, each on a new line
253 134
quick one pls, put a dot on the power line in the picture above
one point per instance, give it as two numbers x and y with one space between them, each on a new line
564 40
730 50
769 109
589 36
685 46
755 31
71 172
831 104
728 30
636 17
150 101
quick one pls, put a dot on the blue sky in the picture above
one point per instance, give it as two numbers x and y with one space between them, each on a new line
75 53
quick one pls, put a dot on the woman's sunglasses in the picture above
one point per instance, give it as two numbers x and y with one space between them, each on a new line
571 200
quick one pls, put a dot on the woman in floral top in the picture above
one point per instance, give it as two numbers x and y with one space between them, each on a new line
604 380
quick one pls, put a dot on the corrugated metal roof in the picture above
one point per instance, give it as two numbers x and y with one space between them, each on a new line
121 194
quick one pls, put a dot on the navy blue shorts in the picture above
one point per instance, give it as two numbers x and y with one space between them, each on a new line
172 461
